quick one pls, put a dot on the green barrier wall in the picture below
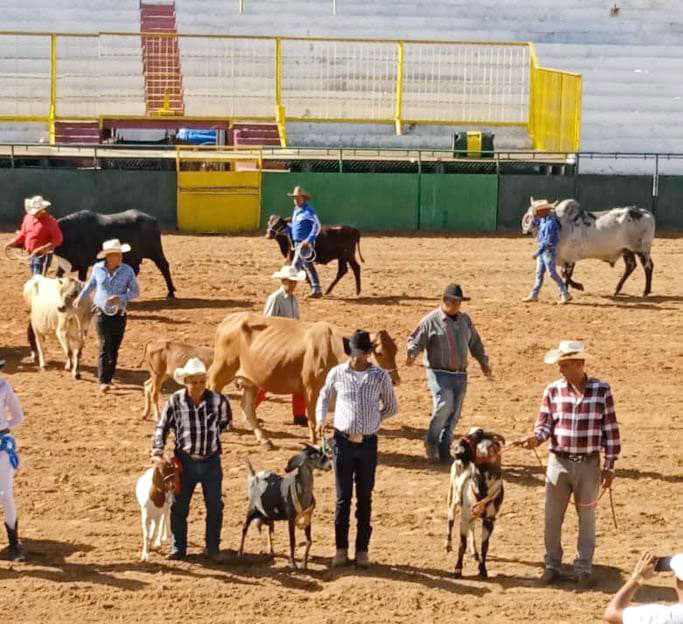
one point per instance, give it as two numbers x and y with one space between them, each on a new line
368 201
601 192
669 208
389 201
153 192
463 202
514 192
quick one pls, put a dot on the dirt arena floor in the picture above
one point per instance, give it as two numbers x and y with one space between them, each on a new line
82 453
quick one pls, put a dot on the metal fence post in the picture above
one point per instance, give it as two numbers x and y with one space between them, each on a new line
655 186
419 191
399 90
279 108
52 116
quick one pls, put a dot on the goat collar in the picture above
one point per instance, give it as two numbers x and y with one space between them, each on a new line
303 516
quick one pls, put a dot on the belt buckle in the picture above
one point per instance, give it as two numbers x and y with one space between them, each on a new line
577 459
356 437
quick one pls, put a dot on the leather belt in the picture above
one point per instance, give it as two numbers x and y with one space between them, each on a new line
200 457
4 432
577 458
348 436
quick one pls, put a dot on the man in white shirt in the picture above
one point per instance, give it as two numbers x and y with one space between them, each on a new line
620 610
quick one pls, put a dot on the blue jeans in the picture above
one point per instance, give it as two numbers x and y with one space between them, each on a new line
40 264
309 267
546 262
448 393
209 473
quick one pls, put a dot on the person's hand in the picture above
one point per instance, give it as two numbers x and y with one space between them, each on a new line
320 430
645 568
114 300
155 459
305 245
409 360
488 373
76 302
534 256
529 443
606 478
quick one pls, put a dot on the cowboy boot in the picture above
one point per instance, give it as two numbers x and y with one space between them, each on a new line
16 550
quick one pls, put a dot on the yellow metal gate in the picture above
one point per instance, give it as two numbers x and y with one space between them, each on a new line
218 192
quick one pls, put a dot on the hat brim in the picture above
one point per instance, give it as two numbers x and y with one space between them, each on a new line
300 276
304 195
180 374
555 355
457 298
125 248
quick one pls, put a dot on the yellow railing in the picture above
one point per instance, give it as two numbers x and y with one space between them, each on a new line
85 76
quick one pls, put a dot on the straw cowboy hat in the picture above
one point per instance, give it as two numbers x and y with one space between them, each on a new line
34 205
194 366
288 272
541 204
568 350
113 246
299 192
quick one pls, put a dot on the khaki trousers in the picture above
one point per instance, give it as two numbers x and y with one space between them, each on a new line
564 478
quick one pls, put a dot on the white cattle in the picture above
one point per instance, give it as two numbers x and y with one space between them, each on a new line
606 235
50 301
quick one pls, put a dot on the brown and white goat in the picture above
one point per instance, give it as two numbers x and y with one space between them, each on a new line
476 488
155 491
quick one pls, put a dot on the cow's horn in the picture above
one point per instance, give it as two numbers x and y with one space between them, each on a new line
531 199
557 201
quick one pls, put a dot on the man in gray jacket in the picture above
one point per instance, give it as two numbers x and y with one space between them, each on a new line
446 335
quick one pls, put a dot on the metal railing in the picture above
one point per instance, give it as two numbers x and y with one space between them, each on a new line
48 77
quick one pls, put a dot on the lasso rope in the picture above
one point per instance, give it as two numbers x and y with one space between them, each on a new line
8 445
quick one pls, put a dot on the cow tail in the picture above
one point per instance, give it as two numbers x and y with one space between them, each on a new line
360 255
144 355
250 468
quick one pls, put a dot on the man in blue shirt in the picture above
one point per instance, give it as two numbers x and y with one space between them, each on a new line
546 255
304 229
115 285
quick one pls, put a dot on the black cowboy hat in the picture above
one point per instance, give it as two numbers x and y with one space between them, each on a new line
360 341
454 291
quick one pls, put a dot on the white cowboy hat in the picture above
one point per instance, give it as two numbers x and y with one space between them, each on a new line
194 366
34 205
299 192
541 204
568 350
288 272
677 566
113 246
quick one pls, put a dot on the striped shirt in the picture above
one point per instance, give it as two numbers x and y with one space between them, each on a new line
121 282
280 303
197 427
579 424
9 404
358 396
446 341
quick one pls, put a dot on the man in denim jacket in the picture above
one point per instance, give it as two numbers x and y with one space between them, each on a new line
548 237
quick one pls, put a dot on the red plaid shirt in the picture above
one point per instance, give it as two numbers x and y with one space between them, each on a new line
579 424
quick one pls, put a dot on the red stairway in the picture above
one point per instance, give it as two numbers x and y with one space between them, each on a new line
77 132
161 60
256 134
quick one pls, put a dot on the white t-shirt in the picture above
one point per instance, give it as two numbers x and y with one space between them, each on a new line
654 614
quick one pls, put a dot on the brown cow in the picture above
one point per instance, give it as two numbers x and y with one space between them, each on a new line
162 358
283 356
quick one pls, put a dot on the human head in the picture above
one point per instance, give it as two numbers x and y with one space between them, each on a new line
112 252
192 376
452 298
541 207
570 356
299 196
359 346
289 277
36 206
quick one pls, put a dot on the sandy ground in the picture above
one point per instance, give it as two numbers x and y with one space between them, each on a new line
81 453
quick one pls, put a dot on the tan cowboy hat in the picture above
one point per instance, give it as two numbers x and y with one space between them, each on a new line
194 366
113 246
567 350
299 192
541 204
34 205
288 272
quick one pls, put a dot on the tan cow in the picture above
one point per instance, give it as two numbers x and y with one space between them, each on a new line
283 356
162 358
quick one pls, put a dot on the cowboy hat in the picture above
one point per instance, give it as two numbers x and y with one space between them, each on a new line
194 366
454 291
541 204
360 343
567 350
113 246
288 272
34 205
299 192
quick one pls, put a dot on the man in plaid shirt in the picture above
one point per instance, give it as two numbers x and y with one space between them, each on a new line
577 416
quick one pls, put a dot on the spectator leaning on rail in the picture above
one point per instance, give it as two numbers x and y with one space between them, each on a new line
621 610
283 303
39 234
9 463
445 335
577 416
115 285
364 398
546 254
198 417
304 229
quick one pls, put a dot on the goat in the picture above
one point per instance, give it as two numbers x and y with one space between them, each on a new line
272 497
155 492
476 487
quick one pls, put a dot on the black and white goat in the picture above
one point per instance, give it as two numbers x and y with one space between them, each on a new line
272 497
476 488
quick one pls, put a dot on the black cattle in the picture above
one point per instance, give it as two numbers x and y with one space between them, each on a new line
335 242
85 231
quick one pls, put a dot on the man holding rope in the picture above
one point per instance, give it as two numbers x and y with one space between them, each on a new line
577 415
305 227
